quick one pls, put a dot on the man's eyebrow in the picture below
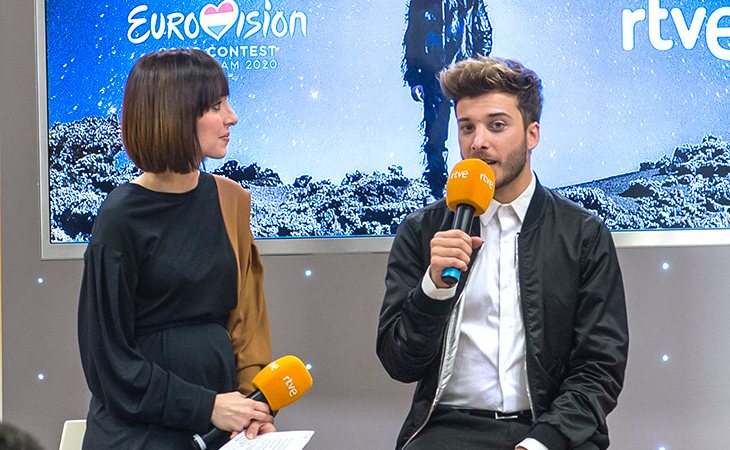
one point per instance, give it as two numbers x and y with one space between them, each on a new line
490 115
499 114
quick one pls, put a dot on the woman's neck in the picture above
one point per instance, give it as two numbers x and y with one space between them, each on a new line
170 182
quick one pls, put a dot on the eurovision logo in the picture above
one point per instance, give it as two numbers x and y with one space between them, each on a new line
215 21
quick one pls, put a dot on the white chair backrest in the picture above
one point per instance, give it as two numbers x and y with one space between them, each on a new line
72 435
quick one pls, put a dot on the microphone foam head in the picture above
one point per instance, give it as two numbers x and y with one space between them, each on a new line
283 381
470 183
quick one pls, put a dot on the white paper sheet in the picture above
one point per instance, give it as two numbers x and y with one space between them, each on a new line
280 440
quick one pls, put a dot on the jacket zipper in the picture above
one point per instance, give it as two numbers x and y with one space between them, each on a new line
519 300
434 402
454 317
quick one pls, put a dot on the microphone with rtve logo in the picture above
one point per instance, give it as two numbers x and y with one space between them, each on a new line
469 190
279 384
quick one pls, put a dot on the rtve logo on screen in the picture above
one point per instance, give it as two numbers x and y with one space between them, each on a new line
688 27
215 21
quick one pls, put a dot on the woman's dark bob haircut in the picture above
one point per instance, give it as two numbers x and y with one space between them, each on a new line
167 92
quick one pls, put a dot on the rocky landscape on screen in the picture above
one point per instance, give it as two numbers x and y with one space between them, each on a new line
689 187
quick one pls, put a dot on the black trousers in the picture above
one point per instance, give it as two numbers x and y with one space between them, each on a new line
453 429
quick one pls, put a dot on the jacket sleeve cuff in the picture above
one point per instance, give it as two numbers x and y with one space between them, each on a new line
549 436
191 408
436 293
428 305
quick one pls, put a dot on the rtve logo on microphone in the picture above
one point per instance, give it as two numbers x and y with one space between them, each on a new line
688 27
456 174
464 174
289 381
488 181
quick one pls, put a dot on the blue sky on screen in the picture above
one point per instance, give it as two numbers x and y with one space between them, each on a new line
333 101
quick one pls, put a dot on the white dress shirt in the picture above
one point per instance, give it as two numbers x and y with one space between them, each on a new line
489 367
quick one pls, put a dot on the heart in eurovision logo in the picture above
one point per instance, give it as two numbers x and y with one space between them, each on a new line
216 20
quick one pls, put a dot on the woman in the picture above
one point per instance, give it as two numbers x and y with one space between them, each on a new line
172 319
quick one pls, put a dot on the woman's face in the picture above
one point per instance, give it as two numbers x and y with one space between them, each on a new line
213 129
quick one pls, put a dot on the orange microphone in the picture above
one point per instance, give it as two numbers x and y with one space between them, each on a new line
279 384
283 381
469 190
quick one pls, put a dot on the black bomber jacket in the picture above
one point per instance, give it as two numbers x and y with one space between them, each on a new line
573 306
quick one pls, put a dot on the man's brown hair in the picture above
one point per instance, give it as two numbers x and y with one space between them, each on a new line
167 92
481 75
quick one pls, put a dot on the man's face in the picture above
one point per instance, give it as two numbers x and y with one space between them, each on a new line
491 129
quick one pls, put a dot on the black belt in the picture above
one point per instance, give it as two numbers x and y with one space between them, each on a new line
520 416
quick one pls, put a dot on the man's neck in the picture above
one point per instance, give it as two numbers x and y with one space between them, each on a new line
515 188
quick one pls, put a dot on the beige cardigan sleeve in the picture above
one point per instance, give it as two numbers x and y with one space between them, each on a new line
248 324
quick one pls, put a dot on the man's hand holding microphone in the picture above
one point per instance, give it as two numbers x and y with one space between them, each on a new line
469 190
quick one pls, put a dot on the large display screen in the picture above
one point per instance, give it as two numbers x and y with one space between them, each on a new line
342 133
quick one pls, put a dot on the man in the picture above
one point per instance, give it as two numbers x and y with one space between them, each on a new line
528 350
440 32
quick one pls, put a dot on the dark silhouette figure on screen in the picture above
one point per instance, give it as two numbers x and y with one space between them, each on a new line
440 32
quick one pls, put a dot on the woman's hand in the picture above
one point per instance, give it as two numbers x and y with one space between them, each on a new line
256 428
234 412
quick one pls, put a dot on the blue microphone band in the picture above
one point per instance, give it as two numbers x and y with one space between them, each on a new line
451 276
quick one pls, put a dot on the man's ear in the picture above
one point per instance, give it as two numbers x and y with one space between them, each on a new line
532 134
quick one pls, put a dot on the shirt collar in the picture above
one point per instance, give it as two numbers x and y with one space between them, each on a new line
519 205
